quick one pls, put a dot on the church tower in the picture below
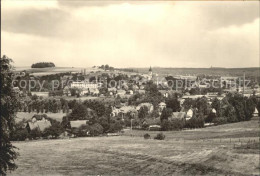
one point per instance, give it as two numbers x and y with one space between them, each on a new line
150 71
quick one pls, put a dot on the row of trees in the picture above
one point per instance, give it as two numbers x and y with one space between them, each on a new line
40 105
98 115
43 65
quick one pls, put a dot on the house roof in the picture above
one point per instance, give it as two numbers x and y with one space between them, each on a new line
41 125
78 123
256 111
152 121
141 91
178 115
32 125
148 105
162 104
121 91
126 109
112 89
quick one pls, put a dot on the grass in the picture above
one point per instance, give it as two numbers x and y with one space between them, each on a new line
27 116
191 152
52 70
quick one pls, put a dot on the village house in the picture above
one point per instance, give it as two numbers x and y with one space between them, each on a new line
148 105
66 91
189 114
41 94
161 106
125 109
112 90
77 123
121 92
85 85
38 122
178 115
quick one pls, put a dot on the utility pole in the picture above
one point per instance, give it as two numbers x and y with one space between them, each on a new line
244 78
131 127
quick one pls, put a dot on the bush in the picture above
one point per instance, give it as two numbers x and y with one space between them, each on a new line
147 136
115 127
82 131
20 135
210 117
174 124
54 131
145 126
195 122
35 133
96 129
159 136
220 120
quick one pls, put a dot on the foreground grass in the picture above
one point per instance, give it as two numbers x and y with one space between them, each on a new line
182 153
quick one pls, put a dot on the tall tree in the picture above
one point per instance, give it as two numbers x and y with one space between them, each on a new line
166 113
143 112
9 106
173 103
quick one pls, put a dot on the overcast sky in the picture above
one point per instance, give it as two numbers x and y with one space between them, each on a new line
135 34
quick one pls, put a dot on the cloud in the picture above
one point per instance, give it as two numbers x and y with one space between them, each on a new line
101 3
219 14
179 34
43 22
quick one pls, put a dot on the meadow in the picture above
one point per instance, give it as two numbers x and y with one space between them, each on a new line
52 70
231 149
252 72
28 116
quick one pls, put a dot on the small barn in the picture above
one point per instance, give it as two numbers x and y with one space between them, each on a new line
78 123
178 115
41 125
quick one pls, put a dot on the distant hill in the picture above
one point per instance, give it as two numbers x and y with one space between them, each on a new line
217 71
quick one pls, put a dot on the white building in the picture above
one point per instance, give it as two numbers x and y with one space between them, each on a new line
85 85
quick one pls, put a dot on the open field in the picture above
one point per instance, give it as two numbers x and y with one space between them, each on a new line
231 149
52 70
254 71
27 116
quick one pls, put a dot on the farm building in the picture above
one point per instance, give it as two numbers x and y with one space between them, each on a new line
189 114
148 105
256 114
78 123
41 125
41 94
161 105
178 115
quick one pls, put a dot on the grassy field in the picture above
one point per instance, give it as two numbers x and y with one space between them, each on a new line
254 71
27 116
231 149
52 70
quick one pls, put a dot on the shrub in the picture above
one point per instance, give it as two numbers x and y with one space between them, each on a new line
35 133
147 136
54 131
96 129
210 117
220 120
174 124
82 131
195 122
145 126
20 135
115 127
159 136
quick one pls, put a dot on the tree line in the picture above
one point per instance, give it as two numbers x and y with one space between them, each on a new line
43 65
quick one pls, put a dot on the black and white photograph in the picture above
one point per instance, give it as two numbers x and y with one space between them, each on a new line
129 87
